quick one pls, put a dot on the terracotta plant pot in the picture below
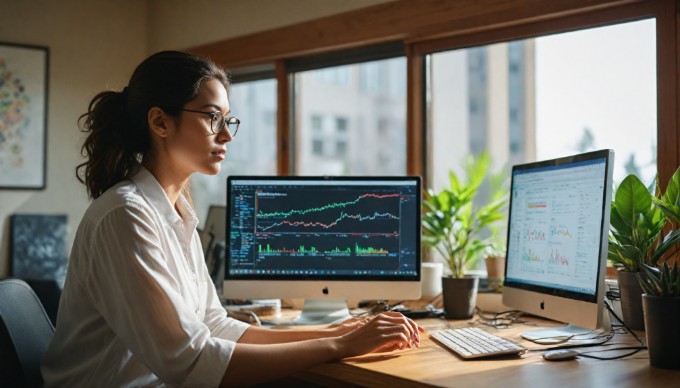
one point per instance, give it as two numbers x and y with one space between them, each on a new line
495 267
495 271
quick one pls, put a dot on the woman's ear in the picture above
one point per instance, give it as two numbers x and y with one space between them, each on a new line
157 121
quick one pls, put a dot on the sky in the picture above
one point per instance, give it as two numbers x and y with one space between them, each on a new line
603 79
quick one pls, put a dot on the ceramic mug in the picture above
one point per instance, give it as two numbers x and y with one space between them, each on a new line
431 279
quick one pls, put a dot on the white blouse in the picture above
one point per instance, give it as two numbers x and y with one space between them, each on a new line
138 306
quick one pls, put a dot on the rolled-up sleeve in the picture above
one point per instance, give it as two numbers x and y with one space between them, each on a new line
216 316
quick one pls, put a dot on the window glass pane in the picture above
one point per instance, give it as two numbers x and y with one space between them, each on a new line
252 151
351 120
544 98
547 97
603 97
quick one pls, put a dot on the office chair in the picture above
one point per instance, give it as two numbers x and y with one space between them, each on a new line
49 293
25 333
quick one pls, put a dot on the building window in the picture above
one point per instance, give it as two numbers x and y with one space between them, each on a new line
317 124
317 147
341 124
340 148
350 148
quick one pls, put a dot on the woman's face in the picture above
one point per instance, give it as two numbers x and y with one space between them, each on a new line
191 145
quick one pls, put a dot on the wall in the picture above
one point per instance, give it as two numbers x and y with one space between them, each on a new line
184 24
94 45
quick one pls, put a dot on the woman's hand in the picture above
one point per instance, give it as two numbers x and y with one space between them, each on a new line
346 326
382 333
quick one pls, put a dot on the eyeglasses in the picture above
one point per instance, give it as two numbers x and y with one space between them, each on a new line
219 121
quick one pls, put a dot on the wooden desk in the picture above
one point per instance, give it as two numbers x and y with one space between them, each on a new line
431 365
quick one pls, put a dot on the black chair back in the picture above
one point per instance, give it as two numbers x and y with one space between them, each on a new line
25 333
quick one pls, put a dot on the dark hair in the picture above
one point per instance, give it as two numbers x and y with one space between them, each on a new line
116 122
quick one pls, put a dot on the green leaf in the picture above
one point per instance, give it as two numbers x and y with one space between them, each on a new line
627 255
454 182
672 194
636 221
617 223
670 209
649 282
632 200
671 239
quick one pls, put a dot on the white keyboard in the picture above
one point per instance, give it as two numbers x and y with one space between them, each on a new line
473 342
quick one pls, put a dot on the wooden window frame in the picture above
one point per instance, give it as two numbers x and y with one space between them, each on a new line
436 25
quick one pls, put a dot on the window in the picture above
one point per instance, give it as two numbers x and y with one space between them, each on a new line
317 147
431 31
317 124
547 97
340 148
356 145
253 150
341 124
317 135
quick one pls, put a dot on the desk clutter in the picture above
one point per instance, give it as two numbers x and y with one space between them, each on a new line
482 336
254 311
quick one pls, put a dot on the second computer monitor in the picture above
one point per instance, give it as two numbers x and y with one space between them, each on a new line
558 231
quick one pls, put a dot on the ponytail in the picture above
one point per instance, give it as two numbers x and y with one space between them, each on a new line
113 147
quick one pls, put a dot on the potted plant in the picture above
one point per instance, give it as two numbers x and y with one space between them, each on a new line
635 225
661 286
454 226
661 303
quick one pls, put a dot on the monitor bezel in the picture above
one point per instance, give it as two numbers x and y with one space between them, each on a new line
416 180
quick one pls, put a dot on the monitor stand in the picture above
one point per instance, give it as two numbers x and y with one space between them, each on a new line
567 335
571 334
322 311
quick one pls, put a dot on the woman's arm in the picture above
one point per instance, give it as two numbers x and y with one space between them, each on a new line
259 335
256 363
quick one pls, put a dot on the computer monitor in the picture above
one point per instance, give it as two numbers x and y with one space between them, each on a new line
324 239
558 228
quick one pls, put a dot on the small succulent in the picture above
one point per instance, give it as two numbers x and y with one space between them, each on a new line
663 281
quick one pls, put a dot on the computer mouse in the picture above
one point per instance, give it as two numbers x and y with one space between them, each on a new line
560 354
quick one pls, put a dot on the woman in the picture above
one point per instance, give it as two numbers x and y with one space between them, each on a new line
138 307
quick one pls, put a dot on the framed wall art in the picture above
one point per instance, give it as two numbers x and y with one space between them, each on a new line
38 246
23 116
